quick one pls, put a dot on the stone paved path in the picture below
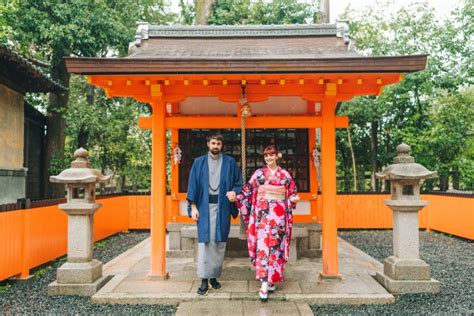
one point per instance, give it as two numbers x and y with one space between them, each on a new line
243 308
131 285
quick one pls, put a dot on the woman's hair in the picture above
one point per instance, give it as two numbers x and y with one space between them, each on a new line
270 150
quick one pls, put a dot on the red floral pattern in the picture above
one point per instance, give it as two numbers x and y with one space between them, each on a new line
269 223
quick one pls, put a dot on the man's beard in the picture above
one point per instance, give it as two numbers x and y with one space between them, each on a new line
215 151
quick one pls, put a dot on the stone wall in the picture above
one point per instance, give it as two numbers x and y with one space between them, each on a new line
12 173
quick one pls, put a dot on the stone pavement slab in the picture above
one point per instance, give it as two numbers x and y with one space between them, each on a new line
302 285
252 308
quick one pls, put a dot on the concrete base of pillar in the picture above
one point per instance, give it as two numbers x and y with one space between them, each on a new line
84 289
79 272
158 277
406 269
27 280
407 286
329 277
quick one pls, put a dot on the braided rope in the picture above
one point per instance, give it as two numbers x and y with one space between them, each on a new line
243 151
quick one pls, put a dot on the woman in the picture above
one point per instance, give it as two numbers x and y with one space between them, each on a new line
266 203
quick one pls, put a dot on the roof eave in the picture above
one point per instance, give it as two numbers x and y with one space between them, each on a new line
129 66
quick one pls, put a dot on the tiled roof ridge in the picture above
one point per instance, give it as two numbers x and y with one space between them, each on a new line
146 31
27 63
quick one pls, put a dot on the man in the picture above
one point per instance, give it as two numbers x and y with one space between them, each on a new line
214 182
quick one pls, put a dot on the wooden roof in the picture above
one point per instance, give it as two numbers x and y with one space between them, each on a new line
323 48
19 74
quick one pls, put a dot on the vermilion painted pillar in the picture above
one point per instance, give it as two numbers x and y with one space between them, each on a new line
158 192
328 181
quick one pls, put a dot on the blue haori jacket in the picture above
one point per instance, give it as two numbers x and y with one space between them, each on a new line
198 193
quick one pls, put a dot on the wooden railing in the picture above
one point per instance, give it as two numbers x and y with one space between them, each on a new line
34 236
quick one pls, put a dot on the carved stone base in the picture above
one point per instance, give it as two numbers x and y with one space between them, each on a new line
80 289
408 286
406 269
79 273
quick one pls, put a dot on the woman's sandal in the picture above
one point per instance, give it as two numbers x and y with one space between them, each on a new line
271 288
263 296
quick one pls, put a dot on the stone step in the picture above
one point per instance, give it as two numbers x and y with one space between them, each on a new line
191 232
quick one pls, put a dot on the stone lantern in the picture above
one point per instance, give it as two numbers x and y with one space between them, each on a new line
404 271
81 274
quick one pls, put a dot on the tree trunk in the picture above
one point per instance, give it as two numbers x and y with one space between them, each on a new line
323 11
443 182
55 136
354 171
203 10
455 176
346 164
83 134
82 137
373 154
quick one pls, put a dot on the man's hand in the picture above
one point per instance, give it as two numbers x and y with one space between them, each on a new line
231 196
194 212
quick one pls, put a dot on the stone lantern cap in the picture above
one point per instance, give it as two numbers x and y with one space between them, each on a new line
80 171
404 167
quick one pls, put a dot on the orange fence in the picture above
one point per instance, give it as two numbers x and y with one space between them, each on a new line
448 214
31 237
368 211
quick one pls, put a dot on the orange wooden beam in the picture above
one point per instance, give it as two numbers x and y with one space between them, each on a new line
158 192
145 122
328 170
236 79
251 122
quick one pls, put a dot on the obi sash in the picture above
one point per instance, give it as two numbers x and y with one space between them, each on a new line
271 192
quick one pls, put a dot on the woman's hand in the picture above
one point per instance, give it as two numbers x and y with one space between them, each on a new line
294 199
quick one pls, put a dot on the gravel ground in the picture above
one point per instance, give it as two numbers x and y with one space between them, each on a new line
451 260
452 263
32 298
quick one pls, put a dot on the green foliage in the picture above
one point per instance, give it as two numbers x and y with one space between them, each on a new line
116 145
284 12
187 12
6 31
426 109
241 12
5 288
83 28
100 244
41 272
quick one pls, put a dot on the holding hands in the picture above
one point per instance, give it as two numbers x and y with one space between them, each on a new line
231 196
294 198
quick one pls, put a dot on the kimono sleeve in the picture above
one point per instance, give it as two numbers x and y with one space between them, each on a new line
245 199
237 178
291 192
193 187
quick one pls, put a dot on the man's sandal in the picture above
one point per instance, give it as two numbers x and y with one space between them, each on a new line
215 284
204 289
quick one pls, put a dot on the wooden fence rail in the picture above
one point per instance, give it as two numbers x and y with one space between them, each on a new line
31 237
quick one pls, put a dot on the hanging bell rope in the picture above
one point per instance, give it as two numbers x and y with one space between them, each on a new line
245 112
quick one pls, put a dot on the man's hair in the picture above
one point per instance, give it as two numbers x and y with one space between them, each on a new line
215 136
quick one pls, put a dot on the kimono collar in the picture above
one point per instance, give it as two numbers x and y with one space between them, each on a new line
272 172
219 156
